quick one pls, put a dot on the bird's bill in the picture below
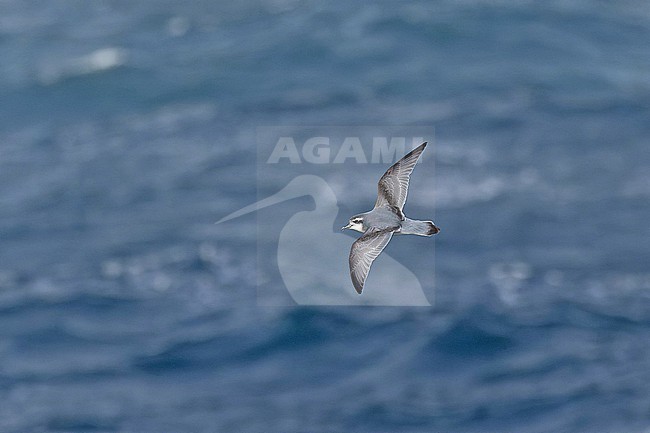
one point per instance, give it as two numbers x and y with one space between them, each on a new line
346 227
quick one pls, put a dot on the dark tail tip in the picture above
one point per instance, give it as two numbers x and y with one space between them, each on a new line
433 229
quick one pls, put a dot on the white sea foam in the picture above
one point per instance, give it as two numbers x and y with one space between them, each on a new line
102 59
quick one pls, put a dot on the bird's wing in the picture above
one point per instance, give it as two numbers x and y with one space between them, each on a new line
364 251
394 184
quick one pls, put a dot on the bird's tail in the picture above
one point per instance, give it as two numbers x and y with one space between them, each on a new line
420 228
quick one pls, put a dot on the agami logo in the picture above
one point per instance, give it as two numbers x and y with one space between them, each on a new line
323 150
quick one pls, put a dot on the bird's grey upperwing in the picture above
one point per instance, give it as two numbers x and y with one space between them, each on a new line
364 251
394 184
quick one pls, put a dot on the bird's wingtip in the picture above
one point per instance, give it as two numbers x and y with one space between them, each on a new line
358 285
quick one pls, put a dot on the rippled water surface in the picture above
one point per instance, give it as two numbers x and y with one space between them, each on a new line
128 128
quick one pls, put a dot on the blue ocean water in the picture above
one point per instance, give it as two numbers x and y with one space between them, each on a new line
128 128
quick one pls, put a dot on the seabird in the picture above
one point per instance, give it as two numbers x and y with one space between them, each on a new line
385 219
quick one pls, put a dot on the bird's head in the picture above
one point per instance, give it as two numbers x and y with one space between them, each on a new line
355 223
